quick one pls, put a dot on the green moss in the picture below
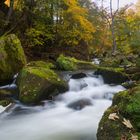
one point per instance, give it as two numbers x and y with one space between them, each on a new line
70 64
110 129
66 63
41 64
12 57
39 83
44 73
5 102
127 105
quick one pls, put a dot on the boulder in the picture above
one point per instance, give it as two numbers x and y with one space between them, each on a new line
37 83
80 104
112 75
12 57
126 106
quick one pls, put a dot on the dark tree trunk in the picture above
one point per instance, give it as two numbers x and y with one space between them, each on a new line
10 11
113 30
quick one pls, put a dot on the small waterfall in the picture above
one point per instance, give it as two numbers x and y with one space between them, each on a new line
65 118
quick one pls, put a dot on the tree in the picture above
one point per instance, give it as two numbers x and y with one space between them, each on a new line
112 26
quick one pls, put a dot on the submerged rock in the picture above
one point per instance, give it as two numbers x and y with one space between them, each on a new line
126 105
12 57
37 83
78 75
80 104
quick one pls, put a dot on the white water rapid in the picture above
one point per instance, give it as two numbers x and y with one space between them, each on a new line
57 121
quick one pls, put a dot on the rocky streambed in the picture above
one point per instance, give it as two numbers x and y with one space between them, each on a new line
45 103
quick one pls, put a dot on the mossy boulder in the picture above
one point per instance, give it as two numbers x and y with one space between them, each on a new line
12 57
112 75
126 105
37 83
70 64
42 64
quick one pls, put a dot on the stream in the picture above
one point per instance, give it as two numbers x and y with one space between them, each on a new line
74 115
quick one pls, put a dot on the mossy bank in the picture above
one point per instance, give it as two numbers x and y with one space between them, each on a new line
126 106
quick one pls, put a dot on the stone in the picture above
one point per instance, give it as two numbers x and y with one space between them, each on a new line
80 104
39 83
12 57
78 75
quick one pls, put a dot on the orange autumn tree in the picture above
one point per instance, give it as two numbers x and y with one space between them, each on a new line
75 25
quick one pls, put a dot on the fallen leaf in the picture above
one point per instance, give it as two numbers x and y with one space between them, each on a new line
134 137
127 123
113 116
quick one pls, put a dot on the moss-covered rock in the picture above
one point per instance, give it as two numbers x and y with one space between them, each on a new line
37 83
112 75
70 64
41 64
127 105
12 57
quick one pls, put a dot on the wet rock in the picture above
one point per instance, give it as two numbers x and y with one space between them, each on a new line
112 75
80 104
78 75
37 83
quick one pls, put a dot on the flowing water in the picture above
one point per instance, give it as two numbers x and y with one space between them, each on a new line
56 120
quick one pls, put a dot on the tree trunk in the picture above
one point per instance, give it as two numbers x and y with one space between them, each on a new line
114 47
10 11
